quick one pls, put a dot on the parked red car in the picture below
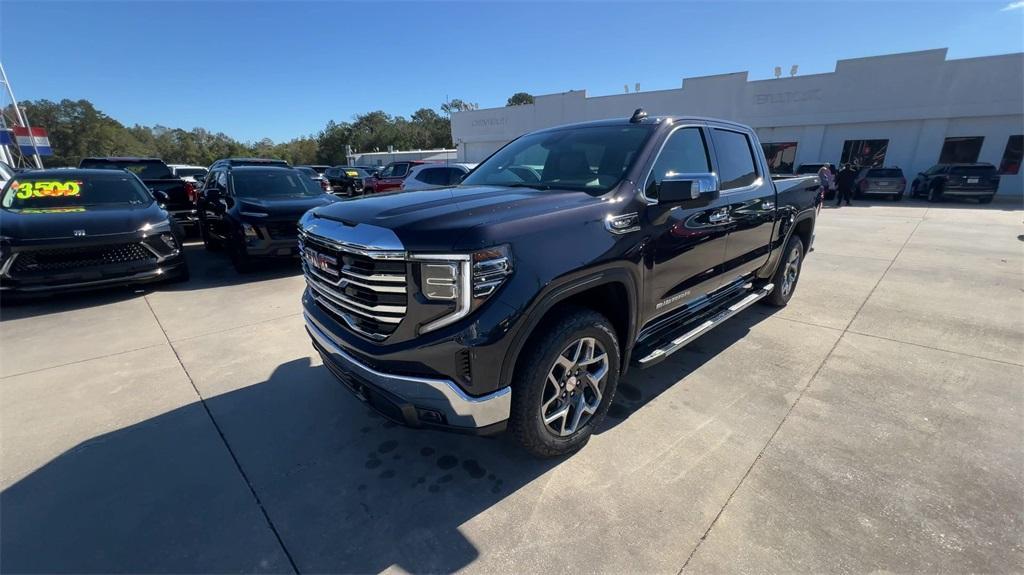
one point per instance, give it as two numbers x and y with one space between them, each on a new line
391 177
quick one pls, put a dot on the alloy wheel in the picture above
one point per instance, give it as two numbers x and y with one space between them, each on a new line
573 390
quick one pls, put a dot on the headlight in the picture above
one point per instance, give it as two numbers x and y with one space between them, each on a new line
490 269
157 228
466 279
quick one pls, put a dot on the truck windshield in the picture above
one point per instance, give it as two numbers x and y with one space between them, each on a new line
187 172
273 183
144 169
73 190
592 159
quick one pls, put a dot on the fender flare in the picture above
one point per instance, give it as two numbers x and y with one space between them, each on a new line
562 291
769 267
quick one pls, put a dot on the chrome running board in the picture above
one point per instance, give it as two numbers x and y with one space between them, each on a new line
679 342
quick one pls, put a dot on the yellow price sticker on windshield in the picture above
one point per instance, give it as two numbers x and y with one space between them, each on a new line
352 174
53 210
46 189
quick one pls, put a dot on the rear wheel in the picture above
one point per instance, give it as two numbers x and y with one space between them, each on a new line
934 194
565 383
788 273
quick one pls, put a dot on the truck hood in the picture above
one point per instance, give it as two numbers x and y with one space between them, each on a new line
445 218
284 207
48 223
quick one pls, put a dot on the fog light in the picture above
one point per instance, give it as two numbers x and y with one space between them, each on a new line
250 231
168 240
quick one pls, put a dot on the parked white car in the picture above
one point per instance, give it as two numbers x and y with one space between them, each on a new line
431 176
194 174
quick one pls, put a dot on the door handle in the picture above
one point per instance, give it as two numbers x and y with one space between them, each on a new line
719 216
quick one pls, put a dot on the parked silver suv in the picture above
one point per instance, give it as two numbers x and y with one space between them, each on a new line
430 176
880 182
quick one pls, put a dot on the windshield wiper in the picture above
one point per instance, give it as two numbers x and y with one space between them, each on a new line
537 186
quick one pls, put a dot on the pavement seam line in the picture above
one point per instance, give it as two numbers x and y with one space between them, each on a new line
792 407
244 325
932 348
224 440
109 355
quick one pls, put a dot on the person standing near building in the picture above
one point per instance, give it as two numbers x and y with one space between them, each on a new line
844 184
825 178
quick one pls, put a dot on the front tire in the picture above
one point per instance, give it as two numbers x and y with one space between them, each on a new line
787 274
565 383
240 258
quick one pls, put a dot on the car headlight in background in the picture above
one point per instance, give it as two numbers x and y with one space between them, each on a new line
466 279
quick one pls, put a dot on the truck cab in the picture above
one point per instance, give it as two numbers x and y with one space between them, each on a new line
516 299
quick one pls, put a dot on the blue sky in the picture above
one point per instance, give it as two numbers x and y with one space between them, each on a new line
283 69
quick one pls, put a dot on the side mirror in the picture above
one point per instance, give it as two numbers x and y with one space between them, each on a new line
160 196
689 190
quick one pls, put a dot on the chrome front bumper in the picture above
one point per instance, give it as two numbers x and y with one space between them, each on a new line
440 395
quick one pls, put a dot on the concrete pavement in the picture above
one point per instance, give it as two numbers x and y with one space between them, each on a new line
873 424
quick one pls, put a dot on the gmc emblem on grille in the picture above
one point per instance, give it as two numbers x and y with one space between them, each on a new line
322 262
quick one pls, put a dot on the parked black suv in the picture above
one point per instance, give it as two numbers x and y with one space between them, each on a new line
347 180
979 181
520 296
253 211
83 229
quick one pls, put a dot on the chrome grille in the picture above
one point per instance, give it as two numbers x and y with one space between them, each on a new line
365 293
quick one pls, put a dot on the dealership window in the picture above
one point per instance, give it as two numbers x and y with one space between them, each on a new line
781 156
961 150
865 153
1012 155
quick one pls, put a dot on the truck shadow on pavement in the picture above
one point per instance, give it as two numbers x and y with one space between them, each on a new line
641 386
346 490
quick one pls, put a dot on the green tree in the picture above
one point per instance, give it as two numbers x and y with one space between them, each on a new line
457 105
519 99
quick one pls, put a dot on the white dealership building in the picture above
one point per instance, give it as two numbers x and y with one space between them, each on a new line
909 110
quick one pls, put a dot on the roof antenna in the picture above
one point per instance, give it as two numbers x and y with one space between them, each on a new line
638 114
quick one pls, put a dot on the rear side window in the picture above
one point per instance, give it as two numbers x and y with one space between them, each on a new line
885 173
433 176
684 153
735 159
455 176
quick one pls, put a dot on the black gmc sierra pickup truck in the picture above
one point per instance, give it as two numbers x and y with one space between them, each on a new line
519 297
